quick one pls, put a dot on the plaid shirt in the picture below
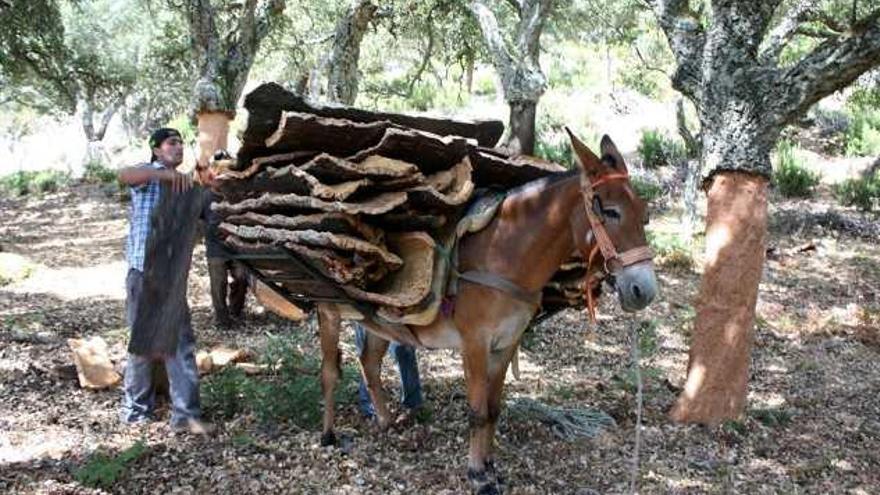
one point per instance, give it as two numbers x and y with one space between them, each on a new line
143 199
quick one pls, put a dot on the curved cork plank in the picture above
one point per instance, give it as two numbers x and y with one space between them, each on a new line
336 223
296 204
313 238
338 137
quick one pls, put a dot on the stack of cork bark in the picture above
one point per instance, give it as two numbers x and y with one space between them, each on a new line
365 198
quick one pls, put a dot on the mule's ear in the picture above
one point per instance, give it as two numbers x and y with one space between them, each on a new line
588 160
610 156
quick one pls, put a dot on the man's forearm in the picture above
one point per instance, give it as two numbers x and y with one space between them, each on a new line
135 176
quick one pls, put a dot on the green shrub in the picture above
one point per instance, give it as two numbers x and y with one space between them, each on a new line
772 417
555 151
33 182
224 394
96 172
657 150
791 178
648 191
641 81
864 193
551 141
863 135
292 392
671 251
102 471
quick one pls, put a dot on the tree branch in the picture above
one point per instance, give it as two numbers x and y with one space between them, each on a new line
645 61
491 34
786 29
532 17
691 142
426 58
686 39
517 6
108 114
831 66
267 11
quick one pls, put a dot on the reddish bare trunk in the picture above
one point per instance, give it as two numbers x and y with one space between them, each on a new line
718 368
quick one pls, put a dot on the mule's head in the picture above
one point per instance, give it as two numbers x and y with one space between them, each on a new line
609 229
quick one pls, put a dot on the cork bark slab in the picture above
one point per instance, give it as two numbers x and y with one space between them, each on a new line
444 190
339 242
276 160
409 285
294 204
494 170
267 102
429 152
336 223
339 137
332 170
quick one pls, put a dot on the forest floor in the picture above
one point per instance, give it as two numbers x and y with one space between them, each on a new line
812 424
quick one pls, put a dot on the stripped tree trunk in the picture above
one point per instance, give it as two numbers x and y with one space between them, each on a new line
518 66
224 63
342 79
744 99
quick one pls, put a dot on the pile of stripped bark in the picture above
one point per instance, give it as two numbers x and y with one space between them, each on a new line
368 200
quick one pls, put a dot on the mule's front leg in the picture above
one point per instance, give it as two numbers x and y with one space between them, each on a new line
476 360
329 326
499 361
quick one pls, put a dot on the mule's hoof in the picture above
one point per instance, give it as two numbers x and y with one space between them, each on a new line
483 483
328 439
490 489
495 474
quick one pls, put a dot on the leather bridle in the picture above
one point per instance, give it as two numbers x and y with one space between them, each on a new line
614 261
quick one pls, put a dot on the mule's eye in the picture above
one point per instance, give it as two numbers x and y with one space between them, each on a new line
611 214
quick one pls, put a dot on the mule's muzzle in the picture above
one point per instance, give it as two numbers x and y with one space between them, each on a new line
636 286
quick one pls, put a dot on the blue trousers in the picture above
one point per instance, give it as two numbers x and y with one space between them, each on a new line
183 376
407 365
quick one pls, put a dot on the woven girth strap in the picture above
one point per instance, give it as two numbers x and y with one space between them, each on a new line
495 281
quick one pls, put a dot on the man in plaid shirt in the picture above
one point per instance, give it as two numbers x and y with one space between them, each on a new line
183 376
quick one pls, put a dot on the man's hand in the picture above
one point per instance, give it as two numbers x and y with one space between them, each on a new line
205 176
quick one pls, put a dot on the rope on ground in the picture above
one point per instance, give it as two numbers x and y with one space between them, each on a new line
567 423
637 371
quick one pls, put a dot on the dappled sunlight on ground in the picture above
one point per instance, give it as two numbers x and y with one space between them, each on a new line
69 283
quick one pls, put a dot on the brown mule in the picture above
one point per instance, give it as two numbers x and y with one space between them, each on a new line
593 210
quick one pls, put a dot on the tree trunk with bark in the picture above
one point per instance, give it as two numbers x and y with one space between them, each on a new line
744 98
95 152
342 79
690 197
518 65
224 64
